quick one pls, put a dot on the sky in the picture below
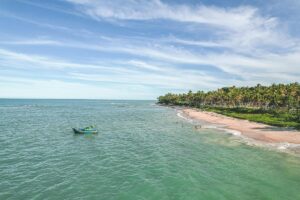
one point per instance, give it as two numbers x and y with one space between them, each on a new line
140 49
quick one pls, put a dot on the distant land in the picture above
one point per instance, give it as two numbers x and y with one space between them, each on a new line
278 104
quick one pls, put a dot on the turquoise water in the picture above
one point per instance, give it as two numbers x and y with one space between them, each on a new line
143 151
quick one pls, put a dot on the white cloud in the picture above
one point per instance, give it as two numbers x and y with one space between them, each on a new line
242 28
234 18
128 72
280 66
246 45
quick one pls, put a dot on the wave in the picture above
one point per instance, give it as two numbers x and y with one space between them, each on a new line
181 115
231 131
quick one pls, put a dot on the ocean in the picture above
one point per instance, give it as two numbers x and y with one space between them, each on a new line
142 151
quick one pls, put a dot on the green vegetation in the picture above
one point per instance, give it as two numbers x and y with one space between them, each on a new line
278 104
271 117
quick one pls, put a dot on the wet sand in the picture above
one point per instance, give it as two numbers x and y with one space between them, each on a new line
256 131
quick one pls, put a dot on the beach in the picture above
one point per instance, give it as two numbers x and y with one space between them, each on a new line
253 130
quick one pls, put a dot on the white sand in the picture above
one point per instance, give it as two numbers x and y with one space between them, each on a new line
257 131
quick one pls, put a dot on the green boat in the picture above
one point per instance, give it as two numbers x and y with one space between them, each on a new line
86 130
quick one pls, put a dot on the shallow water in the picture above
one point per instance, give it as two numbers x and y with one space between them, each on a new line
143 151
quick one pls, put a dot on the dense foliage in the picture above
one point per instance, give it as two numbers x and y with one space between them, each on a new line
274 96
278 101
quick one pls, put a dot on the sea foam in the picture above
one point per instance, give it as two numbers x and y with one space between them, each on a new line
282 147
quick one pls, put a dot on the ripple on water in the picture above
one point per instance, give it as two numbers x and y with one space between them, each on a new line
143 151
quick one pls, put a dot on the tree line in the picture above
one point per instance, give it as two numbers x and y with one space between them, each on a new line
277 96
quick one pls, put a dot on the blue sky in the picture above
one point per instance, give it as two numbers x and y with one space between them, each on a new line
138 49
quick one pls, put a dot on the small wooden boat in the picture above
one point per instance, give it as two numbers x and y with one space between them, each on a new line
87 130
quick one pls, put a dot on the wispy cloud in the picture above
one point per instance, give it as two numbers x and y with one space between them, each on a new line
51 7
234 18
244 66
35 22
163 47
11 59
56 27
236 28
15 87
129 72
32 42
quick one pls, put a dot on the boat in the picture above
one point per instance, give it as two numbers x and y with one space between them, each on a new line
86 130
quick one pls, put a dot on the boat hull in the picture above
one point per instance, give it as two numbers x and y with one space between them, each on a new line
81 131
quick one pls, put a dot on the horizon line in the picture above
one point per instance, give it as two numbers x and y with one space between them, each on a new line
22 98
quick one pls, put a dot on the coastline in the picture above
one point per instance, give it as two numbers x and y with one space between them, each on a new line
253 130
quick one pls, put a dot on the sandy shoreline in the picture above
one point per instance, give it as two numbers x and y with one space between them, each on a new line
253 130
